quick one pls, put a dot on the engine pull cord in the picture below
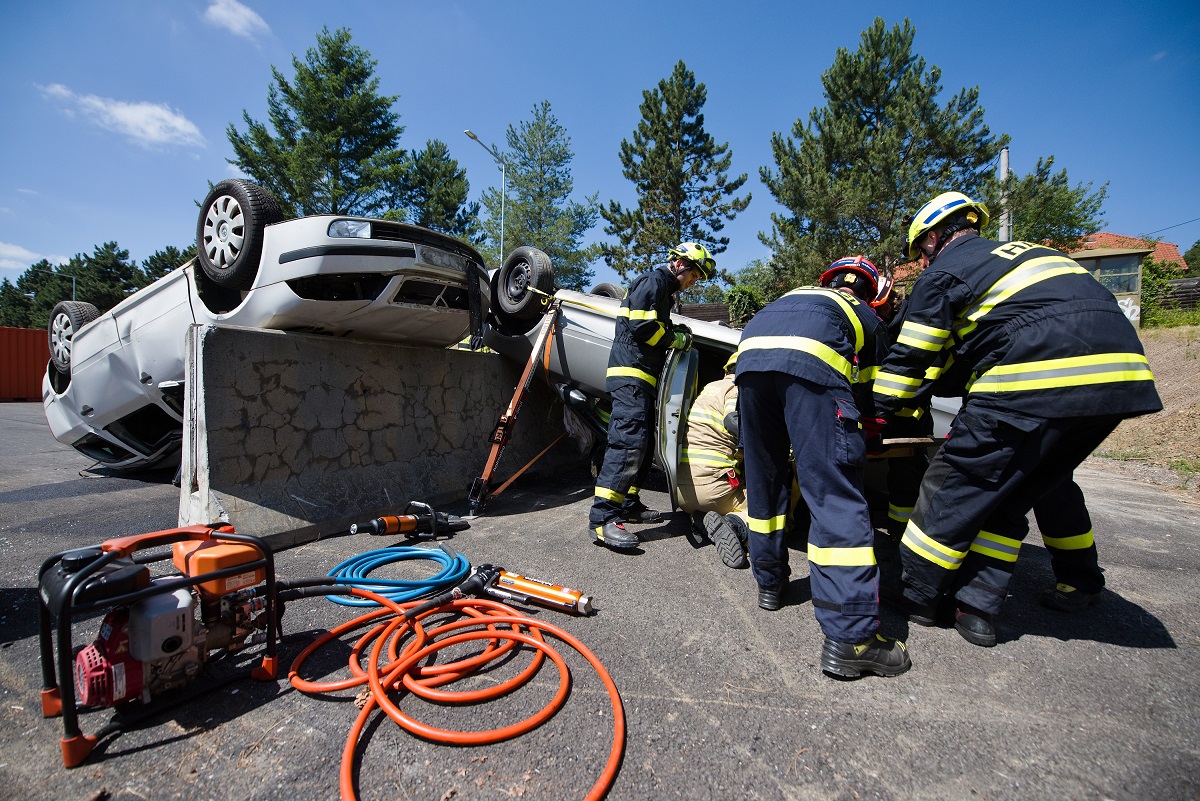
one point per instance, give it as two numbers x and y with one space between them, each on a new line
399 628
354 571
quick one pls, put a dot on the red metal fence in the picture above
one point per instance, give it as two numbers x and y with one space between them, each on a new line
23 356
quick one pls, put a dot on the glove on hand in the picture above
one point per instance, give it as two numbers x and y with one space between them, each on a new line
872 427
683 339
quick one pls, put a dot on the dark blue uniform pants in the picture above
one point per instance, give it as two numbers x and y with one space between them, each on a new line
821 425
630 451
970 519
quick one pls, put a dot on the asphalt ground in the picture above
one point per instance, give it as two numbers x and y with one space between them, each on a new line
722 700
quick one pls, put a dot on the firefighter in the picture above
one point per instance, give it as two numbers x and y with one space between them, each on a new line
644 333
1047 365
801 362
711 485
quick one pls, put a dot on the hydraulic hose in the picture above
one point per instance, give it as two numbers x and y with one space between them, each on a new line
354 571
399 628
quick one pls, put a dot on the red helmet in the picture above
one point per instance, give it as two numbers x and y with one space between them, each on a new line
851 268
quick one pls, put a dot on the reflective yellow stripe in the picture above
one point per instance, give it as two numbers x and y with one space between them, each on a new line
900 513
1005 549
768 526
841 557
867 374
847 305
1072 371
631 372
896 385
1076 543
925 337
658 335
922 545
706 417
1025 275
704 456
802 344
637 314
913 413
609 495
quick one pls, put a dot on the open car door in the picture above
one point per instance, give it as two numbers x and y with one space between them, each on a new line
676 391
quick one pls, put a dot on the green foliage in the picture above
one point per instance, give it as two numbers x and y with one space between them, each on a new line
1044 208
1192 257
680 175
881 146
334 147
103 278
433 193
164 261
538 209
744 302
1158 310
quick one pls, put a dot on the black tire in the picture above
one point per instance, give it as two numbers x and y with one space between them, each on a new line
229 232
65 321
608 291
525 267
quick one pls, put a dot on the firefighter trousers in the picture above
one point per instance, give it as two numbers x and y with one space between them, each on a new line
821 424
971 517
629 454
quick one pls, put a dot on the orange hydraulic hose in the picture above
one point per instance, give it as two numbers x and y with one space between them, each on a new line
495 622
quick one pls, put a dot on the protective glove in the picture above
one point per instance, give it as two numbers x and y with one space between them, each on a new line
872 427
683 338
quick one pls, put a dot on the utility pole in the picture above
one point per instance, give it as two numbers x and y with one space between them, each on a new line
503 193
1005 217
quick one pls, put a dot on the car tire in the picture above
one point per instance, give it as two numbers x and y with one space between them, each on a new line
608 291
65 321
524 268
229 232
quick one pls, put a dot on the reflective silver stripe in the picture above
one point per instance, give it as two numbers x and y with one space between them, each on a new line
925 337
1002 548
898 386
1024 275
926 547
1072 371
847 308
804 345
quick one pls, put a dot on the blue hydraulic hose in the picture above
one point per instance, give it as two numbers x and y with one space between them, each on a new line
353 573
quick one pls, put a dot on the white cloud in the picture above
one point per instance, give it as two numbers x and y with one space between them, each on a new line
147 124
15 257
1159 56
236 18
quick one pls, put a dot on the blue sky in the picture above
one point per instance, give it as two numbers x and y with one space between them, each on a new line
115 112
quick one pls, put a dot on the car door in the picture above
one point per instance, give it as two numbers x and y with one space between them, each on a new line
676 391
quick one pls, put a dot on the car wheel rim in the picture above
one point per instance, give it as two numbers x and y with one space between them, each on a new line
518 281
224 231
61 333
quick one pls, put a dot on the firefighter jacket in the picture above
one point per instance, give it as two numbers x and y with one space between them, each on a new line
644 332
825 336
710 448
1018 327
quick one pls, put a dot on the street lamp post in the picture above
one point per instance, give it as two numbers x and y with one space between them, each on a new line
60 275
503 176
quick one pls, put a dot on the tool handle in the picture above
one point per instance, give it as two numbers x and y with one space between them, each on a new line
124 546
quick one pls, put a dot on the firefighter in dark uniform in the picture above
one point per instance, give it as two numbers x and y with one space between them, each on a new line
644 334
799 363
1047 365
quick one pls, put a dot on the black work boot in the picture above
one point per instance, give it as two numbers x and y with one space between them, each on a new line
1065 598
879 655
614 535
770 598
975 626
725 539
638 512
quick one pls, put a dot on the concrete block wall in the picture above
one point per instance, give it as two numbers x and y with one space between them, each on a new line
289 436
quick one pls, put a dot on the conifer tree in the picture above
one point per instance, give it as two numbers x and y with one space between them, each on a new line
434 194
334 147
538 209
681 178
1044 207
880 147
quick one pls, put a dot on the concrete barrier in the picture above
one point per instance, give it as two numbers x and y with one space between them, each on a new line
289 436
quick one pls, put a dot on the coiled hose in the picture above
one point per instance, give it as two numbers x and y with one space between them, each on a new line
399 629
353 573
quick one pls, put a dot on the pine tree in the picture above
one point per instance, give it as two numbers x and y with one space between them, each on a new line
538 210
164 261
878 149
1045 208
680 175
334 148
434 193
